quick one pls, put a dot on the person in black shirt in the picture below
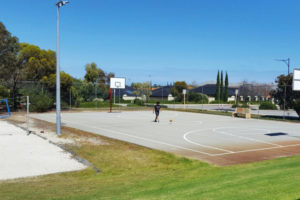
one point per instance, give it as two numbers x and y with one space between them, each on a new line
156 109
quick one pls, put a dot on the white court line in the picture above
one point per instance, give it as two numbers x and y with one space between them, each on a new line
180 147
244 137
202 145
261 149
141 138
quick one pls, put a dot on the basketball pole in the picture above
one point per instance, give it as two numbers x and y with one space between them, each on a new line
110 100
114 96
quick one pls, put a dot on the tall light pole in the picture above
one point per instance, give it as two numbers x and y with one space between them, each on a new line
58 117
287 62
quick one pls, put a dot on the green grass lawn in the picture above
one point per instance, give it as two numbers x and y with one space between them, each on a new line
134 172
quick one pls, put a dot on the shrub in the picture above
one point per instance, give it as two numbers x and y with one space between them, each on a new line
244 105
235 105
231 102
267 106
138 102
78 101
217 102
40 102
197 97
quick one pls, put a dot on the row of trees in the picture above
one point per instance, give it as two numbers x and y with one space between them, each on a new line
25 69
254 89
142 89
221 90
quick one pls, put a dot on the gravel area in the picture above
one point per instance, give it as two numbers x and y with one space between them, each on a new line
25 155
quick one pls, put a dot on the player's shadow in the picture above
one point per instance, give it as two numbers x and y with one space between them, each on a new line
281 134
276 134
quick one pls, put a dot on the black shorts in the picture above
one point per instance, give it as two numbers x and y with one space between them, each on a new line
156 113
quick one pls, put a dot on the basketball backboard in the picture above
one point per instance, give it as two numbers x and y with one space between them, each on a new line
117 83
296 80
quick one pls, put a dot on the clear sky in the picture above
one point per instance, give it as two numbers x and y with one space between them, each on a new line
164 40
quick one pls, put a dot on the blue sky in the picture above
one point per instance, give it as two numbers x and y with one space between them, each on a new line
164 40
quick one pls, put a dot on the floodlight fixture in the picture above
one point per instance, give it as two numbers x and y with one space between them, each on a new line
61 3
287 62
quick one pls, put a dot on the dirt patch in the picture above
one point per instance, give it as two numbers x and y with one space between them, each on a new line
290 149
254 156
47 130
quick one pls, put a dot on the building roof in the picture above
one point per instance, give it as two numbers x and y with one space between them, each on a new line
128 91
162 91
210 90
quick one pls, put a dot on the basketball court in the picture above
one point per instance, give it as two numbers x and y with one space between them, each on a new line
220 140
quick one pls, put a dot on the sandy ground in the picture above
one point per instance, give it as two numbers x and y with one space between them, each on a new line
25 155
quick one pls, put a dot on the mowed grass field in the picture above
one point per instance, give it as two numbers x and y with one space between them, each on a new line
133 172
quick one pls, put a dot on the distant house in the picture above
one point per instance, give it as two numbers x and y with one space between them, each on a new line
126 94
162 93
210 90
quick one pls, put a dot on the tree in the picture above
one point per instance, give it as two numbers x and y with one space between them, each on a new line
4 92
221 87
284 93
226 88
177 89
66 82
93 74
98 77
86 91
253 89
9 65
109 76
142 89
197 97
218 86
36 63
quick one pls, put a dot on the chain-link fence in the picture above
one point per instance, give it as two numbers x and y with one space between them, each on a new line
80 95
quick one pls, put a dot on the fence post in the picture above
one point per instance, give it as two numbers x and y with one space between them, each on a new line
70 98
27 115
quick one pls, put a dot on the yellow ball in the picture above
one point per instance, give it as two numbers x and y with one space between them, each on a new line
171 120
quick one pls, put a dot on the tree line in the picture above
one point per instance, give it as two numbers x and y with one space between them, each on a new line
27 70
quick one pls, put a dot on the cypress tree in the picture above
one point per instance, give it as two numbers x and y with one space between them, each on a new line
221 87
218 86
226 88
